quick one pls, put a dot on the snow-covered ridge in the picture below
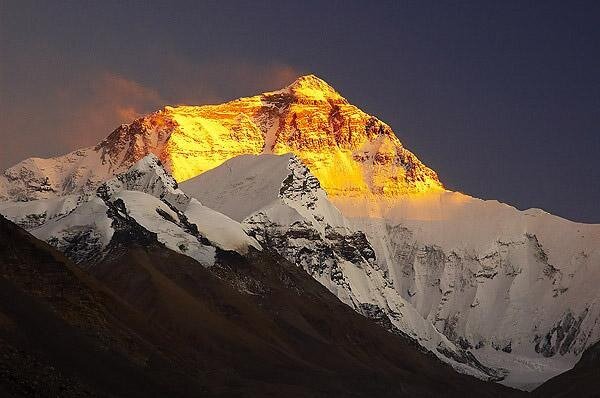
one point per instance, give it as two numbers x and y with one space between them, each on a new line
349 151
518 290
292 214
83 226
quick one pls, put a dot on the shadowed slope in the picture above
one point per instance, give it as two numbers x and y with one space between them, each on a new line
582 381
63 334
181 330
283 333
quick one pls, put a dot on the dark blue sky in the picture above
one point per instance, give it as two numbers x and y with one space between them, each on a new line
501 98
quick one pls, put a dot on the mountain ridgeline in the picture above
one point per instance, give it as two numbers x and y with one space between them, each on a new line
293 230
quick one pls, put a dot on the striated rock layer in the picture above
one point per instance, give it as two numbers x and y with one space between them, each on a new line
518 290
349 151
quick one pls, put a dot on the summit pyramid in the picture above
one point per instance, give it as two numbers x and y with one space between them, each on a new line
349 151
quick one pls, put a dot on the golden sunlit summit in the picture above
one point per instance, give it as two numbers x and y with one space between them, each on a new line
349 151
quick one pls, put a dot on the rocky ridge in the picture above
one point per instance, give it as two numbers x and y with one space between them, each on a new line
349 151
516 289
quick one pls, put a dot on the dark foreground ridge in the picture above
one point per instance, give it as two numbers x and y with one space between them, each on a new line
581 381
149 322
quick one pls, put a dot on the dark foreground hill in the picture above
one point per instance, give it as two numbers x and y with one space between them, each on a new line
150 322
583 381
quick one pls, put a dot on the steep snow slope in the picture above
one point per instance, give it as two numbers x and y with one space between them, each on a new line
146 196
520 288
517 287
478 271
285 208
81 171
149 177
243 186
34 213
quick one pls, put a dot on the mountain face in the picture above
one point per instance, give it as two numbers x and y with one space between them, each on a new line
497 293
145 196
497 309
62 333
347 150
515 288
285 208
151 322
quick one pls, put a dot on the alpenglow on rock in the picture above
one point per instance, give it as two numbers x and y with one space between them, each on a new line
476 282
349 151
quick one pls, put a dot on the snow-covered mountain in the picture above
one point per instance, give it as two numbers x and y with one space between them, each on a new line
519 289
153 323
285 208
348 150
144 198
495 291
475 272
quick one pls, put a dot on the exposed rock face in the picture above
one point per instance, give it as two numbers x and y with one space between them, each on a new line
516 289
349 151
153 323
143 201
461 276
301 224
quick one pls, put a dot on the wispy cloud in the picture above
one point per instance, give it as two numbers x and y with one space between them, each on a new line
220 80
95 106
82 109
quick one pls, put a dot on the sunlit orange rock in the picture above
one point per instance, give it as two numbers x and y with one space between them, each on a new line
350 152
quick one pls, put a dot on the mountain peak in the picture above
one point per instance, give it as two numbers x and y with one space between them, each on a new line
310 80
313 88
349 151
